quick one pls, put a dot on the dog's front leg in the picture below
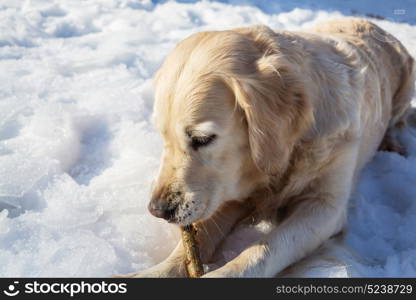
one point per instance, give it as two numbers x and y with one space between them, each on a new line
319 216
303 232
172 266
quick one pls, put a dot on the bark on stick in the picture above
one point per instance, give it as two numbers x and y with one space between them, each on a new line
192 260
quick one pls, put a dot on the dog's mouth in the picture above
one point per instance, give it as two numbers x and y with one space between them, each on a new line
186 213
181 212
181 208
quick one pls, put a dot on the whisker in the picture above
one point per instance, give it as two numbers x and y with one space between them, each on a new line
221 215
208 235
219 229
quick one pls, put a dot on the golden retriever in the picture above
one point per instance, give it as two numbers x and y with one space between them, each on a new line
273 127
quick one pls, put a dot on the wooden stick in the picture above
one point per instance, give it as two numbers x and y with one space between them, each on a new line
192 260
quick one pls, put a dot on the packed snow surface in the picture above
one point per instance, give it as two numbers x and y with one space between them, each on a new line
78 150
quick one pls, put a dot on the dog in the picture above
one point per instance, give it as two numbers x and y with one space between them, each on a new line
271 129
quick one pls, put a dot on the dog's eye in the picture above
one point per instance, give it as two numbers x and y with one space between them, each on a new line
201 141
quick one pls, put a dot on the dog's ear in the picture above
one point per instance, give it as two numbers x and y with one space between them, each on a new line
275 103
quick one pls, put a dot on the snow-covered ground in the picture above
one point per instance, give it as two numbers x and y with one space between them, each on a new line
78 150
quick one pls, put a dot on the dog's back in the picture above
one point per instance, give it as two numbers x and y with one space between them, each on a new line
384 52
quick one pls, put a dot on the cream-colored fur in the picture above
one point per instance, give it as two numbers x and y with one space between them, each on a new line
291 118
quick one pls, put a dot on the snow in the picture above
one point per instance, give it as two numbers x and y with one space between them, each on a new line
78 150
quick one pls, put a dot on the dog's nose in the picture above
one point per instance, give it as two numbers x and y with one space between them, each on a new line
161 209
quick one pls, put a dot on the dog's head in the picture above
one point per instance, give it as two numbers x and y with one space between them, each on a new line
230 111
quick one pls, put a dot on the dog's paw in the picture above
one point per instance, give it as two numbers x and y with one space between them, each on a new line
219 273
142 274
158 271
149 273
212 275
